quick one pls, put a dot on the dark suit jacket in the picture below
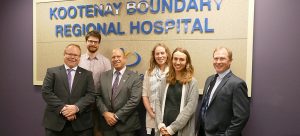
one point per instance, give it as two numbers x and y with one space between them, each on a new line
229 110
126 100
55 91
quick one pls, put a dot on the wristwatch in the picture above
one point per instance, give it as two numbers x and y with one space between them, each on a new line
116 117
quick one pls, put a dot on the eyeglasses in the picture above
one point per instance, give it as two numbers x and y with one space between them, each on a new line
71 54
92 42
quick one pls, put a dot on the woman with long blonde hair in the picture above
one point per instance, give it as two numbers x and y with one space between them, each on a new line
160 58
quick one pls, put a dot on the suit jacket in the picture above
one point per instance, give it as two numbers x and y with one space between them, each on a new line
229 110
127 98
55 91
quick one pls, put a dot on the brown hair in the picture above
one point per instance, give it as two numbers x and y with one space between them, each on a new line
153 62
187 73
93 33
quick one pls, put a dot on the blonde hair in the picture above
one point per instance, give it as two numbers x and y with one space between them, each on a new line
228 51
72 44
153 62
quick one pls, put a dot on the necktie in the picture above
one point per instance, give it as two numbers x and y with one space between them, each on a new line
207 95
70 78
115 84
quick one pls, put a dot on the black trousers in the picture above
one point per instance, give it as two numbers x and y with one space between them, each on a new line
68 131
201 131
113 132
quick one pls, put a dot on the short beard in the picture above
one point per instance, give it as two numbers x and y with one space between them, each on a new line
92 51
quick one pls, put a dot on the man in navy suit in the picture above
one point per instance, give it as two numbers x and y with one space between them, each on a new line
224 110
68 91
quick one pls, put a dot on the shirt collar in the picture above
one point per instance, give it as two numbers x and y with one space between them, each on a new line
222 75
121 71
66 67
87 57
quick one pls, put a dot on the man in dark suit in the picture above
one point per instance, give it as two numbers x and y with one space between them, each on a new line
69 92
224 110
120 93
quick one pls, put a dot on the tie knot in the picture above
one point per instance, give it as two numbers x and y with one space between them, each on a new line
214 80
117 72
70 70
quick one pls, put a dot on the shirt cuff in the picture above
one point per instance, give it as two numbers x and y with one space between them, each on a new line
170 131
161 125
77 109
115 115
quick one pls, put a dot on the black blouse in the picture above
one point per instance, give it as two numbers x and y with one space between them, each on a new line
172 103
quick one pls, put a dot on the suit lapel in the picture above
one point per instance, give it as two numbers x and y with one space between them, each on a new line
122 82
77 76
207 85
205 88
63 73
223 82
109 82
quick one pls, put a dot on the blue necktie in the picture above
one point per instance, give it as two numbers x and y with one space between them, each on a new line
206 97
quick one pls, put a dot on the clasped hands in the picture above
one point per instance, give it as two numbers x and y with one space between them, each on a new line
69 111
164 131
110 118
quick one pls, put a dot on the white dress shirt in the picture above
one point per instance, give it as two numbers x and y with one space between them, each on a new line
115 75
218 81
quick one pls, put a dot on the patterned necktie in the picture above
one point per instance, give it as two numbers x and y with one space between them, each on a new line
207 95
115 84
70 78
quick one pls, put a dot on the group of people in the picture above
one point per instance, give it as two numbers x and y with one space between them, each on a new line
88 89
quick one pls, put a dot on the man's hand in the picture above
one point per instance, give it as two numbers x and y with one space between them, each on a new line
71 118
110 118
69 110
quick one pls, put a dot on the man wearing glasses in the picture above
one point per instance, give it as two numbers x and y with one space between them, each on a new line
69 93
96 63
93 60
